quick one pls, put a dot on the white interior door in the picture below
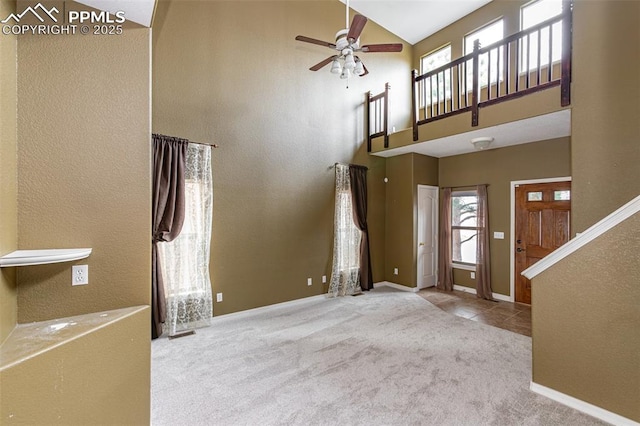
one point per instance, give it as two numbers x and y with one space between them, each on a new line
427 237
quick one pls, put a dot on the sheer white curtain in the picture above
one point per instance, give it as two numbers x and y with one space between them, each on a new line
185 260
345 277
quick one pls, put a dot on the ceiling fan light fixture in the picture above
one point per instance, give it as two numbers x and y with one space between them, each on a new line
359 69
336 68
349 62
346 73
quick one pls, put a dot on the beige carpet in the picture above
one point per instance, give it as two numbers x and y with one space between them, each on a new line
384 358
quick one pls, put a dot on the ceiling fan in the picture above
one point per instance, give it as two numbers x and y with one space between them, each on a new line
345 62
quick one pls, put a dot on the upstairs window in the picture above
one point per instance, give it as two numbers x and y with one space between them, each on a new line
489 71
440 87
531 15
464 226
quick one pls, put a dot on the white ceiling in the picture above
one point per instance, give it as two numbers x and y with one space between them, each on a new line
415 20
540 128
138 11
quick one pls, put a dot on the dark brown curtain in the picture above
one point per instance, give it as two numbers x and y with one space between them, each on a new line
169 157
445 272
358 177
483 256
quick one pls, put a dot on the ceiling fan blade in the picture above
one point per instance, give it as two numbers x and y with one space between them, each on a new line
319 65
315 41
391 47
356 28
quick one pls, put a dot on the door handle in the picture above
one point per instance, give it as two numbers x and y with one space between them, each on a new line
519 250
420 245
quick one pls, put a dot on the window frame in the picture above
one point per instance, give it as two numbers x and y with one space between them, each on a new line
499 72
521 57
423 100
455 194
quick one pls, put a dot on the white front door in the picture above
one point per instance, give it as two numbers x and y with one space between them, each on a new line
427 237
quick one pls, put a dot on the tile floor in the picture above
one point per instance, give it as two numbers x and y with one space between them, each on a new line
514 317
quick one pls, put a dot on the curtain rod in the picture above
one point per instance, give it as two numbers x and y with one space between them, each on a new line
347 164
212 145
466 186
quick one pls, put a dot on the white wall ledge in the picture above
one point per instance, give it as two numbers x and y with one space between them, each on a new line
615 218
42 257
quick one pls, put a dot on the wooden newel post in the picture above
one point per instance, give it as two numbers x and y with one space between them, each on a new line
367 103
475 89
414 101
567 30
386 115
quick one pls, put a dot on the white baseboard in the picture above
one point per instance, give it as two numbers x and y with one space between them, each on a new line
268 307
585 407
496 296
396 286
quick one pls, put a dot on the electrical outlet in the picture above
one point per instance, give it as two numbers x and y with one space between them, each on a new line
324 279
80 274
309 281
395 271
218 297
473 275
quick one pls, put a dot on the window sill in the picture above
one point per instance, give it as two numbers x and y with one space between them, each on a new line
463 266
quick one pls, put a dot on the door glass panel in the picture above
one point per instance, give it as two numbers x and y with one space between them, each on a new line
534 196
562 195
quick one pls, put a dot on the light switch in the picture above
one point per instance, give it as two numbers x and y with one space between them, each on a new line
498 235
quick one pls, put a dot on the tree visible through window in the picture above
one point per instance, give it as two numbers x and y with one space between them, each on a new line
464 226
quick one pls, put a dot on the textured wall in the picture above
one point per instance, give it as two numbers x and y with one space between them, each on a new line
399 221
497 168
99 378
84 170
8 175
586 319
232 73
405 173
606 107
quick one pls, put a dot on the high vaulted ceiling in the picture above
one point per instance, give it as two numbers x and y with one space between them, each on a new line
415 20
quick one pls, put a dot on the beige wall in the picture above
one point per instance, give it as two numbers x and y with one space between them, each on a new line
585 308
405 173
497 168
586 320
232 73
83 180
606 107
84 170
99 378
8 175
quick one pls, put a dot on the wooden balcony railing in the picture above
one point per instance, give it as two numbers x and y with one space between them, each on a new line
377 107
523 63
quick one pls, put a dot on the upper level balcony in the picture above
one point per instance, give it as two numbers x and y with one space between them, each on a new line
517 89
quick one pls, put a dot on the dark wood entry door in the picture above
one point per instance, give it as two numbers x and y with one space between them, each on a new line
542 225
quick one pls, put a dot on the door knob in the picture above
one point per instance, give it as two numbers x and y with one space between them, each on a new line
519 250
421 244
